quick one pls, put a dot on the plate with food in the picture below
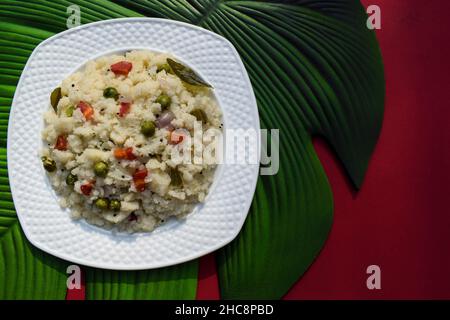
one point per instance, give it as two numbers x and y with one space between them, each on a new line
118 144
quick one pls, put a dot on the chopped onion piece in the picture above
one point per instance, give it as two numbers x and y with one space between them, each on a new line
165 119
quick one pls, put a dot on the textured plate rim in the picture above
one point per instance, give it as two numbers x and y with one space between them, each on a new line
111 266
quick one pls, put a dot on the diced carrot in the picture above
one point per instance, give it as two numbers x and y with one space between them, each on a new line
124 153
61 143
120 153
139 179
121 68
86 109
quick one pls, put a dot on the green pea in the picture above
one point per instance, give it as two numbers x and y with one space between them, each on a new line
101 169
200 115
111 92
164 100
175 177
102 203
165 67
148 128
71 179
49 164
114 205
69 111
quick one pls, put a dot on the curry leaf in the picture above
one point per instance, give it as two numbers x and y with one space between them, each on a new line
187 74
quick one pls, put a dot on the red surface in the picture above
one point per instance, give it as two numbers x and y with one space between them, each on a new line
77 294
400 218
208 284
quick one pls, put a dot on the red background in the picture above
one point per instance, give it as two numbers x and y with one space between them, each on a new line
399 220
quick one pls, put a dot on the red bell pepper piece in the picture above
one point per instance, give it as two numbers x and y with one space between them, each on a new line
61 143
121 68
140 174
139 179
86 188
124 108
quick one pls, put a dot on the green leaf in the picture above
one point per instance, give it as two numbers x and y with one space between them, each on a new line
167 283
315 69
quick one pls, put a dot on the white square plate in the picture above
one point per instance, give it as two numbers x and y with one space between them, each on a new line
50 228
